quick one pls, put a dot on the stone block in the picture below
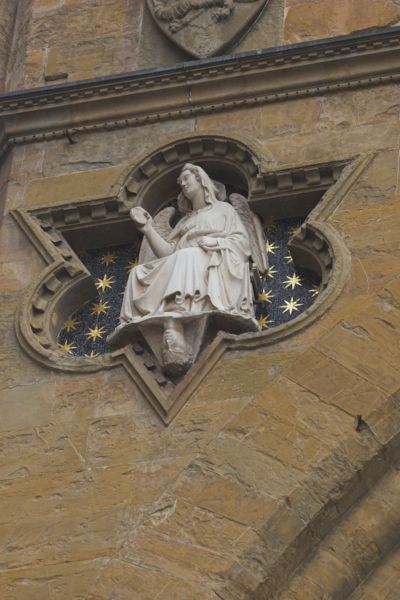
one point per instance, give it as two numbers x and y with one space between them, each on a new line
355 348
293 403
182 560
20 411
262 431
199 485
119 579
360 399
153 480
326 378
16 248
195 525
383 582
181 590
81 186
121 439
117 148
318 146
253 468
311 19
45 449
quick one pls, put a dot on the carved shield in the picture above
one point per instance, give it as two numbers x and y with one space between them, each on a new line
205 28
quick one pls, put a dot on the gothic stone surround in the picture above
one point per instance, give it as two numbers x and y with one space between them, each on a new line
218 84
65 283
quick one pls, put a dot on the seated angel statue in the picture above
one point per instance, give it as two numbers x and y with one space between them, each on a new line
203 265
192 280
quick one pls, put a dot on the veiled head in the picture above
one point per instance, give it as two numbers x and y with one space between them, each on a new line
190 176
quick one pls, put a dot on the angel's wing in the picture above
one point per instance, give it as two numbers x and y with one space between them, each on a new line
162 225
257 243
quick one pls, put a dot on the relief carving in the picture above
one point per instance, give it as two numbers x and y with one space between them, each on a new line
204 27
176 12
198 281
154 361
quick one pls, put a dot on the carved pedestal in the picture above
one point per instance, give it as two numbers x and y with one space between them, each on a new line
176 342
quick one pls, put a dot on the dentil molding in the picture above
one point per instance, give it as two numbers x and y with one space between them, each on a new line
201 86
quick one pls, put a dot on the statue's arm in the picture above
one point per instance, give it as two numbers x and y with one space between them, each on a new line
159 246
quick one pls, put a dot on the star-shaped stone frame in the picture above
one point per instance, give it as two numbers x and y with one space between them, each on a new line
65 284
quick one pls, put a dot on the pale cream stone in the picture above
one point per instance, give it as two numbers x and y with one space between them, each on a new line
201 272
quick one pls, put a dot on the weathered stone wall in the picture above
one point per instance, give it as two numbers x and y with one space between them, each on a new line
67 40
99 500
313 19
70 40
7 17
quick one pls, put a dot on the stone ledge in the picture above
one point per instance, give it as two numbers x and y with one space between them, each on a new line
205 86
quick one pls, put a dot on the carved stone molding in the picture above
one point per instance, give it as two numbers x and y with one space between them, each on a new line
234 157
205 86
225 23
65 284
244 168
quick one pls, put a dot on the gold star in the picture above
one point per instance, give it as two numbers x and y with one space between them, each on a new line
106 282
289 258
92 354
293 230
99 308
131 265
315 290
265 296
270 248
108 259
67 347
95 332
264 322
291 305
270 224
271 272
70 324
293 281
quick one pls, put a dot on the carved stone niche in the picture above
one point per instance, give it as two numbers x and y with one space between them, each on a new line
60 233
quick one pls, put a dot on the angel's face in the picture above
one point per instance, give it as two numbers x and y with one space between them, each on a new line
189 184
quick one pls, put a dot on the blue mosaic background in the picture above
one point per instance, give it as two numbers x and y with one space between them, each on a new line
287 292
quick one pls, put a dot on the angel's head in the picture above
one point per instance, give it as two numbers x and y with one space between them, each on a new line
193 180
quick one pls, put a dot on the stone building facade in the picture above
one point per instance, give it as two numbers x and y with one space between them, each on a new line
272 471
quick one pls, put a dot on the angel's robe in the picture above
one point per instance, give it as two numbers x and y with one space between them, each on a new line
192 280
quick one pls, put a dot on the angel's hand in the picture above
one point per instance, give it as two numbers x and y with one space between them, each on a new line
208 243
141 218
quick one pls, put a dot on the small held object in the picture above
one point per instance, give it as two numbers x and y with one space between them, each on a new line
139 215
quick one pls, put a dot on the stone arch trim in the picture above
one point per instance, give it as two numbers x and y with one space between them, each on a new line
237 154
61 286
331 532
65 282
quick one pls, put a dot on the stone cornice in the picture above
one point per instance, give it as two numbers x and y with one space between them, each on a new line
202 86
